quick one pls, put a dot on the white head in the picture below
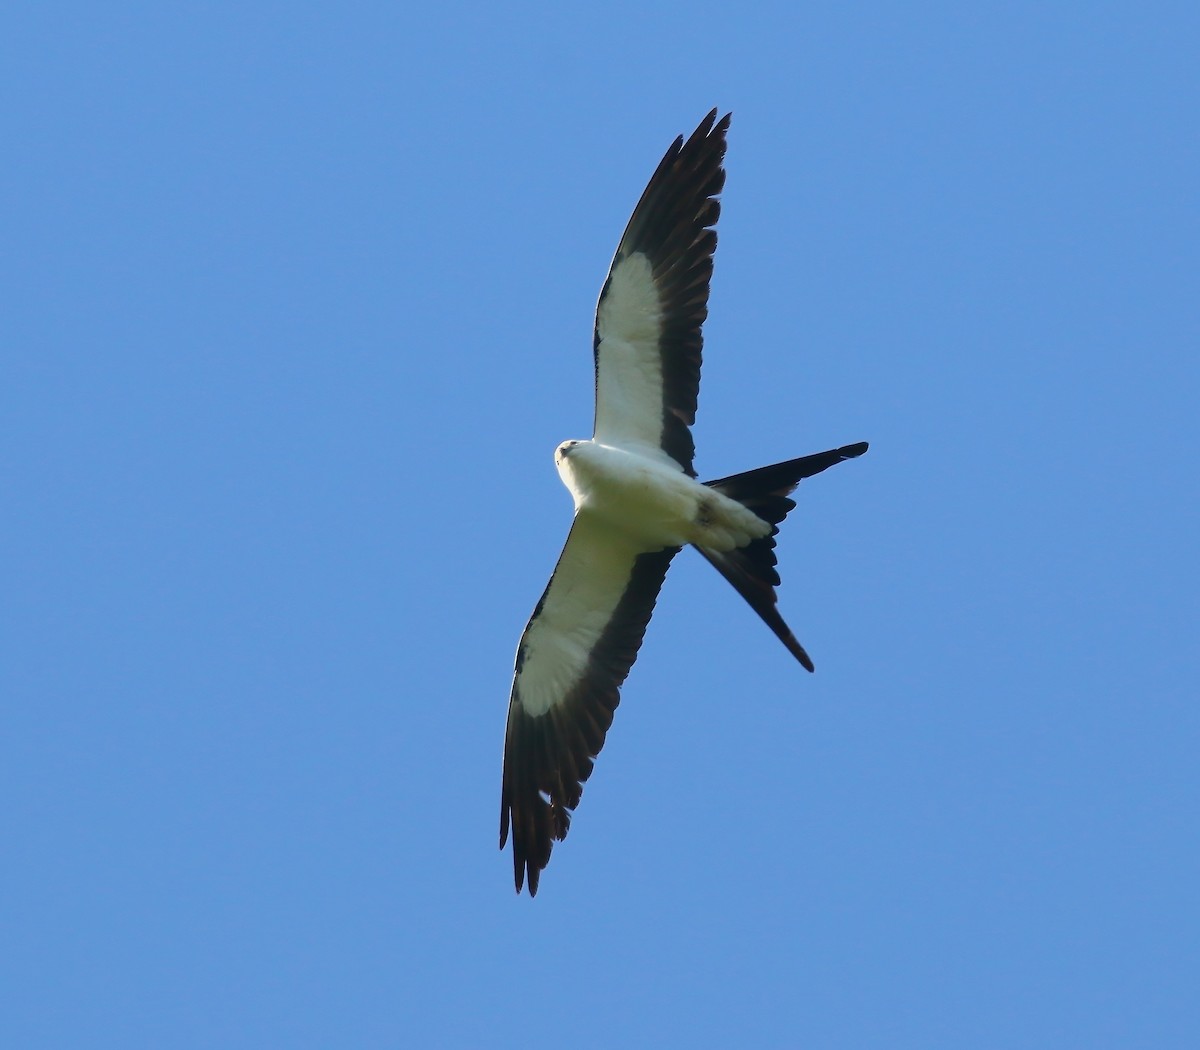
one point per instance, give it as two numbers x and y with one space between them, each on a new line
564 450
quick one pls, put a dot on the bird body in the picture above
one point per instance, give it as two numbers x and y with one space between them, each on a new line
637 503
648 497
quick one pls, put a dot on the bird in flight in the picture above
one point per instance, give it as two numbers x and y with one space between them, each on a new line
637 503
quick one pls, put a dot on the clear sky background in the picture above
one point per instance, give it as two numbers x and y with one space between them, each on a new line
295 304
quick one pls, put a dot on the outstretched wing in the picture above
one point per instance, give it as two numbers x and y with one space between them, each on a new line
576 651
647 341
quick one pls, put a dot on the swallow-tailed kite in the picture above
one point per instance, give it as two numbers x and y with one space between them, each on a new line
637 502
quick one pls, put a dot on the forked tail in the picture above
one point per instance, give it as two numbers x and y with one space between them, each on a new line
751 569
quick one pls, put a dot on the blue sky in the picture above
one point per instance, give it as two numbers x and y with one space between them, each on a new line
295 304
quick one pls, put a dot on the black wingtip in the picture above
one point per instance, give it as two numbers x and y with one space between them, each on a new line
710 121
795 648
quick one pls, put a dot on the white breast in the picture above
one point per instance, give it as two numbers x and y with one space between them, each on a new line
649 497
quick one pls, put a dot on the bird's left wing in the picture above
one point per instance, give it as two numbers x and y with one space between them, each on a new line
576 651
647 340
